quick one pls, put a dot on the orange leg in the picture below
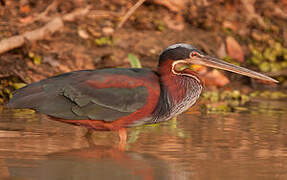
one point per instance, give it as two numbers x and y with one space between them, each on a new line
123 138
89 138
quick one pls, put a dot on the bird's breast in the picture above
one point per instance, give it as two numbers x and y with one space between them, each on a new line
185 96
177 95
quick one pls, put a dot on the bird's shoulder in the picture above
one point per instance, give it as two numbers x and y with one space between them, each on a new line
111 77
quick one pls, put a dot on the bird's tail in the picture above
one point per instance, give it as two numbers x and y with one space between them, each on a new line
25 97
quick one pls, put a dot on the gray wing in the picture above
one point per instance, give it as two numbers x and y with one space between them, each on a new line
69 97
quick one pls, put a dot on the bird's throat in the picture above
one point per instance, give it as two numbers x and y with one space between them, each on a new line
178 93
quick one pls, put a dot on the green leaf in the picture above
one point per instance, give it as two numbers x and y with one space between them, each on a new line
104 41
37 60
134 61
19 85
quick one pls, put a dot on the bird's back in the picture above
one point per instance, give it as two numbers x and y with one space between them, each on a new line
107 94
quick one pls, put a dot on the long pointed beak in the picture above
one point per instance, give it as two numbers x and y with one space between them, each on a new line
217 63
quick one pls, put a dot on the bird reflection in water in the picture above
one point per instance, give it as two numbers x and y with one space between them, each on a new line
99 162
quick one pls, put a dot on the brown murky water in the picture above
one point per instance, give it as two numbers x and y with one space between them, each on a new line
250 144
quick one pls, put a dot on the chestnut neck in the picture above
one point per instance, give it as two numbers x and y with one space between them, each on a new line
178 92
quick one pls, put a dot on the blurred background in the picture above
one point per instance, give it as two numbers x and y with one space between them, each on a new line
236 131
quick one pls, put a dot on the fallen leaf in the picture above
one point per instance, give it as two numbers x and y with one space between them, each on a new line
53 62
26 20
83 34
230 25
19 85
215 78
25 9
175 24
108 31
221 52
234 49
174 6
248 5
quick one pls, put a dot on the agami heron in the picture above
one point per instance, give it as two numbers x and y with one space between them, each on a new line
117 98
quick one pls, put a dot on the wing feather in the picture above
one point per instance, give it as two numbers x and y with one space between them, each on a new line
69 96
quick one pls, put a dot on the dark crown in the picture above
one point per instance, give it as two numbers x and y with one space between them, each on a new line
176 52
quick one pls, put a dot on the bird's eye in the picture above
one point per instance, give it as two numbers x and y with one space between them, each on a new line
193 54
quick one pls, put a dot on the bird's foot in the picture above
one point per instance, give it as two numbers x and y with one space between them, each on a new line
123 139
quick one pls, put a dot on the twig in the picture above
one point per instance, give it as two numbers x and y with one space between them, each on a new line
52 6
20 76
251 13
130 12
51 27
17 41
279 13
78 12
103 13
43 15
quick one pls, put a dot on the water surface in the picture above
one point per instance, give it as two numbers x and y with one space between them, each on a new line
247 144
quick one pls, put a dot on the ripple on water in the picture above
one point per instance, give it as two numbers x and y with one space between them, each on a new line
248 144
